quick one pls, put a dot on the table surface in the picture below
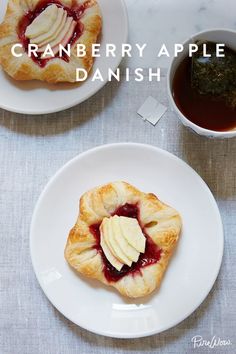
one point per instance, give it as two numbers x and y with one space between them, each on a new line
33 148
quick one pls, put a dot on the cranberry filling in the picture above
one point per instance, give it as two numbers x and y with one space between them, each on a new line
128 210
76 11
151 256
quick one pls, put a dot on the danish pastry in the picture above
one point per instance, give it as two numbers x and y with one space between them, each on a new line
39 28
124 238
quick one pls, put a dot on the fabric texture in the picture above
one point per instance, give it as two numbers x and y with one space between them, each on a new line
31 151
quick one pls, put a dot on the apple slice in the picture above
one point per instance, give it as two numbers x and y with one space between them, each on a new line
57 27
114 246
61 35
132 232
43 22
111 258
66 39
122 240
126 248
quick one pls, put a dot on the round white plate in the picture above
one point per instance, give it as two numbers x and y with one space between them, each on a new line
191 273
35 97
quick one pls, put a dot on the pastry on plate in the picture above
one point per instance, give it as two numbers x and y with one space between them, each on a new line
36 26
123 237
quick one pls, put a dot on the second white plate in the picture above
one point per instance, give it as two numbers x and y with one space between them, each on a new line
191 273
35 97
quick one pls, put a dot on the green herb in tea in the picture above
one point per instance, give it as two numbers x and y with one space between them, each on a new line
215 75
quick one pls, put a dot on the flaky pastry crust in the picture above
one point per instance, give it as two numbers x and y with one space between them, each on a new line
160 222
56 70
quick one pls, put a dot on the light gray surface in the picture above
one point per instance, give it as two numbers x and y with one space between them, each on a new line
31 151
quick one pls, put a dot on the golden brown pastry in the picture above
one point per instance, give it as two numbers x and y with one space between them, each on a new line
52 23
124 238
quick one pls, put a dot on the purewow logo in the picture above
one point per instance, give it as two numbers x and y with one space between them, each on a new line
199 341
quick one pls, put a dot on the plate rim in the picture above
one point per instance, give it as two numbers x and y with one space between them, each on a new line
220 253
89 95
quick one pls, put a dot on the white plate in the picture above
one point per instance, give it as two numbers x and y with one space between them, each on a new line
191 273
35 97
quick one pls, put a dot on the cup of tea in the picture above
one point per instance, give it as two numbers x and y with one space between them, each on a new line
202 83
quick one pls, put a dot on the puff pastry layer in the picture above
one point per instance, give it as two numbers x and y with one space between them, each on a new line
160 224
56 69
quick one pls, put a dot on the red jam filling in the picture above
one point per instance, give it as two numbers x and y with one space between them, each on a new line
151 256
76 11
